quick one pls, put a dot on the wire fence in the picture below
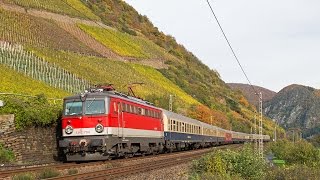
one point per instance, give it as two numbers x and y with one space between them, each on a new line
18 59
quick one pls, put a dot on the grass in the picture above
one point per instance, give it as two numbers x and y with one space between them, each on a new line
125 44
101 70
13 82
24 176
6 155
58 6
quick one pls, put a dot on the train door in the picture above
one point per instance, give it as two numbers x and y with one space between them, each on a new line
120 120
117 118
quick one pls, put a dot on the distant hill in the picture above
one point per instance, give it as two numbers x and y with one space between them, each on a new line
296 106
248 92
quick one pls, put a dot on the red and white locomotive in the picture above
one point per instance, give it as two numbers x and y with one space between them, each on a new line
102 123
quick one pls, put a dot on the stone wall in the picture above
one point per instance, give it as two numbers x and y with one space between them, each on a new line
31 145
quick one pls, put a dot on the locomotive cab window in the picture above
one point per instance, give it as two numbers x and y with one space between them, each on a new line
73 108
94 107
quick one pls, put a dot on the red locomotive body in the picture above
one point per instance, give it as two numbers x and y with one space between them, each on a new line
94 125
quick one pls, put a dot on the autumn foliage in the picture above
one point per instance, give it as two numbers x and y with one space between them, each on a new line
204 114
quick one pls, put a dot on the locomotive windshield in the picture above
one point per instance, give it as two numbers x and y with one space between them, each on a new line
95 107
73 108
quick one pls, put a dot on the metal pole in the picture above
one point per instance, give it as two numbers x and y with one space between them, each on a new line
255 134
260 127
170 103
275 132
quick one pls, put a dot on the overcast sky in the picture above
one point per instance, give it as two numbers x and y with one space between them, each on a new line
276 41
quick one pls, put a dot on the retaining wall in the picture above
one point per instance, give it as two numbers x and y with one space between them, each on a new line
31 145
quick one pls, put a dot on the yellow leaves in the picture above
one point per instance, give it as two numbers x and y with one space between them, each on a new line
243 101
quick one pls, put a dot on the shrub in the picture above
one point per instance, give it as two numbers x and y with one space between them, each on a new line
72 171
48 173
5 155
229 165
300 152
293 172
33 111
24 176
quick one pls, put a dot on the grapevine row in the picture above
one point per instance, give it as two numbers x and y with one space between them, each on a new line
15 57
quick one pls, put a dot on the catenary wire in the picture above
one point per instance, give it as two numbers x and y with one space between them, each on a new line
233 52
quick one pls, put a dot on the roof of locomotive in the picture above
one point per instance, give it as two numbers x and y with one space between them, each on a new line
113 94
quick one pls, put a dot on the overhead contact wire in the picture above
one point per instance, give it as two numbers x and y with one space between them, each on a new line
233 52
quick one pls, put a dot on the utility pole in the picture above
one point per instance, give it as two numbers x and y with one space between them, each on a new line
260 127
275 132
170 102
255 135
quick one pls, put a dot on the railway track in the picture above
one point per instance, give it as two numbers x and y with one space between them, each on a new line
158 161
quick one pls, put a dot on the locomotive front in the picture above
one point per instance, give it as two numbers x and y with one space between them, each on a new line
84 122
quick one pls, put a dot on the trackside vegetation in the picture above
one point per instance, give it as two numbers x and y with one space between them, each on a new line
6 155
301 159
31 111
229 164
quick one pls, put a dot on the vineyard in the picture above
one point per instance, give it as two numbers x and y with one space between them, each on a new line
125 44
15 57
58 6
29 30
101 70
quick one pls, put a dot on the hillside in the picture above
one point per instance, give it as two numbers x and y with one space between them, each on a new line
69 45
296 106
249 93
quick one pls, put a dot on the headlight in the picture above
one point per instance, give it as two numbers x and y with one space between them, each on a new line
99 128
69 129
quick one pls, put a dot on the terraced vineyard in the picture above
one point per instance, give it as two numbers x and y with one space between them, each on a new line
13 82
29 30
58 6
101 70
125 44
15 57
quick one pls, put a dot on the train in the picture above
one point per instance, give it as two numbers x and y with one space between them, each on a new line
101 124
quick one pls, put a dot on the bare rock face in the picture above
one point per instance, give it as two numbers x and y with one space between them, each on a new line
296 106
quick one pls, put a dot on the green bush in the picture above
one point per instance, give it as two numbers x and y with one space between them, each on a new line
24 176
5 155
295 172
32 111
300 152
229 165
48 173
